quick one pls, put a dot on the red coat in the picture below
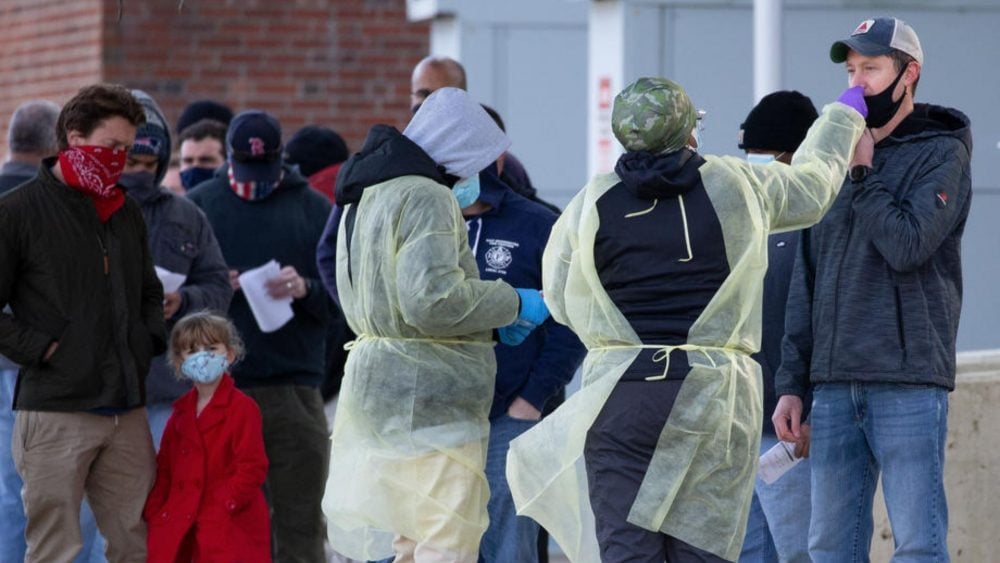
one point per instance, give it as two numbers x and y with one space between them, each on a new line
210 471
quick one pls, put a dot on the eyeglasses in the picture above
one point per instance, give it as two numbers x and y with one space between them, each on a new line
700 119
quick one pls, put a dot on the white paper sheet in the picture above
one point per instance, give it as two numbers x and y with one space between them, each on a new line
270 313
776 461
172 281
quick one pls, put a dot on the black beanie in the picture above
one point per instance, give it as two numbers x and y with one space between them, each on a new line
204 109
314 148
779 122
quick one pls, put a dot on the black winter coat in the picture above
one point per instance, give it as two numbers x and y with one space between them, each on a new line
88 285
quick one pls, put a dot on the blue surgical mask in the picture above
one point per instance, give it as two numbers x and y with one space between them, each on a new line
466 191
196 175
759 158
204 366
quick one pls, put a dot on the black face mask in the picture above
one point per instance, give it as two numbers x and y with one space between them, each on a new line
881 108
140 185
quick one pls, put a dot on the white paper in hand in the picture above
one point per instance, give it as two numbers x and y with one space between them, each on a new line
777 461
171 281
270 313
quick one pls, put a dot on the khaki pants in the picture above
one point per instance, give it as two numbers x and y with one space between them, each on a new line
61 456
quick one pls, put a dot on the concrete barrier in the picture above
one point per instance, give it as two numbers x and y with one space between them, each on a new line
972 466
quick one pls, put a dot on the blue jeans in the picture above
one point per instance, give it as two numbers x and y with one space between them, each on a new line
158 414
778 528
94 543
12 521
509 537
12 544
859 430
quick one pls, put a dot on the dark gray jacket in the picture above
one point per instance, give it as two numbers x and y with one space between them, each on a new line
181 240
13 174
877 287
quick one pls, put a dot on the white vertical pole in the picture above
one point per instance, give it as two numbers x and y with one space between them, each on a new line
446 37
767 54
605 72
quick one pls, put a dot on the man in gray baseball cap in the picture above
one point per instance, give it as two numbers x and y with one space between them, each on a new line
882 275
892 41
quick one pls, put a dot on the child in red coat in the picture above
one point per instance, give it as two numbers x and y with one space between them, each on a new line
207 504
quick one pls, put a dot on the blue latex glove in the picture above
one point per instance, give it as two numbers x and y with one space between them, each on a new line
855 98
514 334
533 309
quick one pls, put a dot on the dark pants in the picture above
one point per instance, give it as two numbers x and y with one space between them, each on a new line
619 446
298 450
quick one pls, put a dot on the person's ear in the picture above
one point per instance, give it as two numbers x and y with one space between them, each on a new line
75 138
911 74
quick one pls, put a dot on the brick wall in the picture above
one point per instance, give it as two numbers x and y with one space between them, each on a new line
48 50
341 63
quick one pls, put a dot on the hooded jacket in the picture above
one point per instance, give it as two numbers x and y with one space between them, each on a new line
420 376
669 253
181 241
645 267
877 286
386 154
89 286
153 136
507 242
284 226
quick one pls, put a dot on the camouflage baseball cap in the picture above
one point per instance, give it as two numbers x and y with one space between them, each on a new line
653 114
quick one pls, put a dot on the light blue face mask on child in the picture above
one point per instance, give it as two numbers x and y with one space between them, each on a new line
466 191
204 366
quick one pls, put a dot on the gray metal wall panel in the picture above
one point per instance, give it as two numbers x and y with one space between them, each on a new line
541 93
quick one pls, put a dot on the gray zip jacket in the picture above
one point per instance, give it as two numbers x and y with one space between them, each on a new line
182 241
877 286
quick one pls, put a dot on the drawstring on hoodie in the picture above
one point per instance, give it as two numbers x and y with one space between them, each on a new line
684 219
639 213
687 235
479 231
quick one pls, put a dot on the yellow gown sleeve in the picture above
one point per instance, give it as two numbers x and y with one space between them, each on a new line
435 295
798 196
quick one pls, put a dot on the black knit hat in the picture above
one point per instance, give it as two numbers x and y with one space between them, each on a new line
204 109
778 122
314 148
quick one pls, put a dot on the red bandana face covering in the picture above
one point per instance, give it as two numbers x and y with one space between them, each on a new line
94 170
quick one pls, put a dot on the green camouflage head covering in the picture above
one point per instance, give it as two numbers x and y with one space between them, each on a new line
653 114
